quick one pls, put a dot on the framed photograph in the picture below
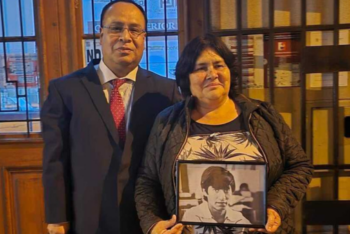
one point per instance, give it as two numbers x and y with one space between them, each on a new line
221 193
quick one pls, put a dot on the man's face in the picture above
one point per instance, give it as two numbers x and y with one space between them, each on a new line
218 198
122 49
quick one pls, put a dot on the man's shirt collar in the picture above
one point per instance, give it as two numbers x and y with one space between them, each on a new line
108 75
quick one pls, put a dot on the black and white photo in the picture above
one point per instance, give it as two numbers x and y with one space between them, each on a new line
214 193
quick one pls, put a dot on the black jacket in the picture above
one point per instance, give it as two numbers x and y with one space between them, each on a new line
85 170
289 169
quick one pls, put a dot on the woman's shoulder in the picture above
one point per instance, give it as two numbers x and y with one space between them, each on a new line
171 111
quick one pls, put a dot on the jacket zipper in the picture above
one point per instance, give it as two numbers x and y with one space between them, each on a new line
256 140
178 154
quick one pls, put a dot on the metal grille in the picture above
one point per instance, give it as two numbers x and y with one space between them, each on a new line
307 99
19 76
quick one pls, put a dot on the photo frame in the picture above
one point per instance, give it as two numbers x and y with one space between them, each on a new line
221 193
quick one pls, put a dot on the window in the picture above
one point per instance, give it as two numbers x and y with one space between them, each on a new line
19 74
161 50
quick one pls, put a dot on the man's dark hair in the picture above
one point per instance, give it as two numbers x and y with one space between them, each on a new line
190 54
218 178
106 7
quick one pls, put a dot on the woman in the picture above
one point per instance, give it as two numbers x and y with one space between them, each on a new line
214 115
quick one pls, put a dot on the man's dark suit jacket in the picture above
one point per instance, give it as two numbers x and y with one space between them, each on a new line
84 165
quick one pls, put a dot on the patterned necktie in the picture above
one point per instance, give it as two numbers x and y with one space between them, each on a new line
118 109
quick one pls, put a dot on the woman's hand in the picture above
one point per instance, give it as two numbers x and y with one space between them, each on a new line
162 227
273 222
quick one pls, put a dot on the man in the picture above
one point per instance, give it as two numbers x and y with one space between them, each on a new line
96 122
217 185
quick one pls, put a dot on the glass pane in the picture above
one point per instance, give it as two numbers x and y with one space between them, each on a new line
156 55
28 17
255 13
344 141
11 18
319 85
319 82
320 188
322 136
88 48
287 59
319 38
318 229
319 12
287 79
344 77
343 229
32 79
13 127
287 13
344 185
344 37
173 55
344 11
1 34
223 14
13 84
155 14
87 15
253 62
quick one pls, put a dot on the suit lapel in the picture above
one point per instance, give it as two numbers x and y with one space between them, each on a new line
94 87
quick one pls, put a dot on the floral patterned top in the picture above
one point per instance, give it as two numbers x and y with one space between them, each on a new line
226 142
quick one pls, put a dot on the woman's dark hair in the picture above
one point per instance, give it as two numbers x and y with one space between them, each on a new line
105 8
190 54
218 178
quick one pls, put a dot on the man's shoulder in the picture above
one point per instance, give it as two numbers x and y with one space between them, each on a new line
156 77
71 77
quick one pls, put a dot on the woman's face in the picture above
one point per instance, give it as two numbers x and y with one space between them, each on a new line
211 79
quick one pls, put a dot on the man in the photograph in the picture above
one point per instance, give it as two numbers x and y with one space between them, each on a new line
218 186
96 122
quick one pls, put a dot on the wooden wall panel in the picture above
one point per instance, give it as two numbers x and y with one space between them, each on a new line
21 192
24 200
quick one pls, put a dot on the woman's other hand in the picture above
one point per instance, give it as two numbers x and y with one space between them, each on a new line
273 222
162 227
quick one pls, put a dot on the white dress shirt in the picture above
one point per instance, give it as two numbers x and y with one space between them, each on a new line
126 90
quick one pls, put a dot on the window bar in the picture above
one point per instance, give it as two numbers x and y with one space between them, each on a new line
207 23
5 60
24 68
271 52
93 26
239 43
335 111
303 137
166 39
303 77
147 62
